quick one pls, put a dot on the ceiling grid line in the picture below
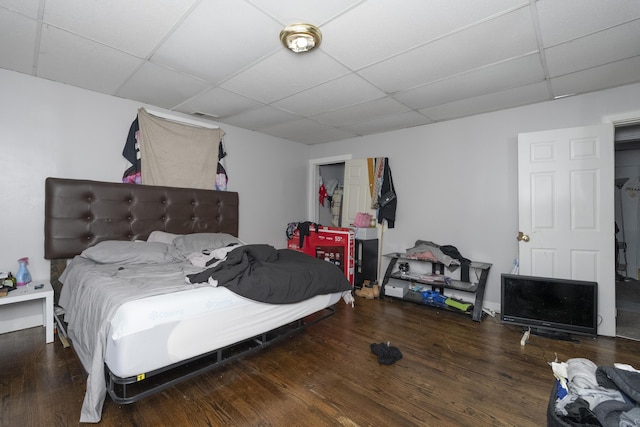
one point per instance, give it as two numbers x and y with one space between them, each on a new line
540 42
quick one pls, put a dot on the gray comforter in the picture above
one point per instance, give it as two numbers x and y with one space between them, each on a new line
91 294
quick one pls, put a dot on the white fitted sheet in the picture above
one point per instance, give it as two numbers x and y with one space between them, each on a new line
158 331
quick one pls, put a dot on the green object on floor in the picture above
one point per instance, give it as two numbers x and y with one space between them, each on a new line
463 306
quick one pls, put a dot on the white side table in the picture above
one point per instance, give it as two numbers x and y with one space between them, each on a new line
26 307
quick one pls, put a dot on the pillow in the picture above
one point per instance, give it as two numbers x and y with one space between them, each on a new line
124 252
197 242
162 237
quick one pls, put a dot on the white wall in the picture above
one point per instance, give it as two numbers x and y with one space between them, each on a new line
457 180
50 129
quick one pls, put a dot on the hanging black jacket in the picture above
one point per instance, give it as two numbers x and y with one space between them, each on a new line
388 211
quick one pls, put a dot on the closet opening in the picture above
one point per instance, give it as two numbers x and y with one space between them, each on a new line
330 194
320 171
627 229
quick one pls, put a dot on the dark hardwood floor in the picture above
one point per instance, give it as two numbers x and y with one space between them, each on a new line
455 372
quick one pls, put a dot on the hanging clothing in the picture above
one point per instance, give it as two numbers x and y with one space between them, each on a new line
177 154
331 186
387 212
304 229
322 194
131 152
377 181
221 173
336 206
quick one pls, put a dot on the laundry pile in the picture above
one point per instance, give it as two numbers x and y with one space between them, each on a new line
593 395
445 254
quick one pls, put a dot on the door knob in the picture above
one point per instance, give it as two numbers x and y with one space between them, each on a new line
522 237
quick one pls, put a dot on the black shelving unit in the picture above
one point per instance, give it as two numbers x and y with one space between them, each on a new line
438 285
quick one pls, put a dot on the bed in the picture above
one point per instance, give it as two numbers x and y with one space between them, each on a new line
158 288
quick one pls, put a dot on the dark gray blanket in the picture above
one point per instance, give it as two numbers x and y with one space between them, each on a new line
263 273
627 382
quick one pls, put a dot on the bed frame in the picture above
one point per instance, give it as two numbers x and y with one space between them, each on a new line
81 213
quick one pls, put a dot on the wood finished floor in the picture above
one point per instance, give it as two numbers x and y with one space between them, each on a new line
455 372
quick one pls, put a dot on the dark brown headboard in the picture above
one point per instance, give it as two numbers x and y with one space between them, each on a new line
81 213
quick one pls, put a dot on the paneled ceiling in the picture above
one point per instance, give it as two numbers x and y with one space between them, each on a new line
382 64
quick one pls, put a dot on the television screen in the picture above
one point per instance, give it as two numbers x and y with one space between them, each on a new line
548 304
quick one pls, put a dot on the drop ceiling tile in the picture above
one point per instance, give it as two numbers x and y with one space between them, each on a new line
311 12
504 75
341 92
561 21
218 103
17 42
307 132
605 76
260 118
388 123
428 55
161 87
508 36
600 48
283 74
359 112
376 30
26 7
322 136
131 26
515 97
212 48
67 58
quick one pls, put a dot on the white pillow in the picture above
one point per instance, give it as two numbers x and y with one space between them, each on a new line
162 237
197 242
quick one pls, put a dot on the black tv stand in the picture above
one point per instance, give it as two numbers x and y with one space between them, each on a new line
554 335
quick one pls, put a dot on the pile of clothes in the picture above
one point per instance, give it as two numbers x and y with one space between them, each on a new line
593 395
445 254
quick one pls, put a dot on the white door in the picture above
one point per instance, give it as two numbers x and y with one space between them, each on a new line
566 209
357 195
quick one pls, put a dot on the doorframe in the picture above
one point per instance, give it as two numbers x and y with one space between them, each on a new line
618 120
312 179
622 119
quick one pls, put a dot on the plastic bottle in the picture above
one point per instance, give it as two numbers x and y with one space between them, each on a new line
23 276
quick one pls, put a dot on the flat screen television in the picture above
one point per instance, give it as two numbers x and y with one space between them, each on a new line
555 308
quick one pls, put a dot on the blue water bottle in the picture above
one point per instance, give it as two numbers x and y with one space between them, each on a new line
23 276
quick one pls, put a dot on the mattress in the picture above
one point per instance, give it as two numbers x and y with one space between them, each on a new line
158 331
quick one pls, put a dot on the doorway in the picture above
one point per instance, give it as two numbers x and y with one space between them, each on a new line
627 211
313 182
330 209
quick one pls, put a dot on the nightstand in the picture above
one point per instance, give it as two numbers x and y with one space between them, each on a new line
26 307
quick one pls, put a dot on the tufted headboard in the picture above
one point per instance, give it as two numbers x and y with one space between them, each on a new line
81 213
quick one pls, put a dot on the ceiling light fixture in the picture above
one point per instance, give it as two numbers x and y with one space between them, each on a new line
300 37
